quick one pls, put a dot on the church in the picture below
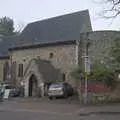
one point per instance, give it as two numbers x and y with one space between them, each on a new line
49 50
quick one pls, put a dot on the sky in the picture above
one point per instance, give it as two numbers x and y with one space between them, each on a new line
26 11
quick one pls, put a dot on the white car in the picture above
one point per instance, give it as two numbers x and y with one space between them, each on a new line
60 89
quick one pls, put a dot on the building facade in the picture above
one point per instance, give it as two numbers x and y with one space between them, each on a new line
49 50
58 58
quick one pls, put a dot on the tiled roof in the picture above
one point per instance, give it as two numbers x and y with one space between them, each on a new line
54 30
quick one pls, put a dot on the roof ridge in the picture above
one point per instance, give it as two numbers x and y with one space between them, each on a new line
49 18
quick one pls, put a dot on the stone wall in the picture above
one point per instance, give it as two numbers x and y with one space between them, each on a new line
100 44
62 57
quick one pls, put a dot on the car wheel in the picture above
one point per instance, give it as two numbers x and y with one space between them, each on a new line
65 95
50 98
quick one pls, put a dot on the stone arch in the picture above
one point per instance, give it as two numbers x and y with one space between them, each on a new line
44 72
33 86
32 70
29 79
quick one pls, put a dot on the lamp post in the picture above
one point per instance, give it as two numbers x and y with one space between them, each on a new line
86 81
87 70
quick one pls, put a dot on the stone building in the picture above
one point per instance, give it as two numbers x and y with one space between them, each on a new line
48 50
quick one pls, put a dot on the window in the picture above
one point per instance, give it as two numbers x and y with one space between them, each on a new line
20 70
6 71
51 55
24 60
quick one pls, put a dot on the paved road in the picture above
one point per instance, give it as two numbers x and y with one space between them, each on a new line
32 110
34 115
13 110
27 115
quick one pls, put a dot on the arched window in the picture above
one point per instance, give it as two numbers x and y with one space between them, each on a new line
20 70
6 71
51 55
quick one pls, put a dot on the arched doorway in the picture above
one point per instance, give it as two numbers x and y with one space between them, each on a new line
33 86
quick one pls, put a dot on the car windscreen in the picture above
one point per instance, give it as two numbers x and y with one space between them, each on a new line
8 87
56 85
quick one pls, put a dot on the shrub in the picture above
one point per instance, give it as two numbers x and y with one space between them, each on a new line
102 73
99 72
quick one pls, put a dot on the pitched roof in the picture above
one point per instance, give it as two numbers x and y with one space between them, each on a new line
44 69
58 29
61 28
6 43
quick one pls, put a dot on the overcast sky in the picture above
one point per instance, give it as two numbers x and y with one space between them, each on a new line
25 11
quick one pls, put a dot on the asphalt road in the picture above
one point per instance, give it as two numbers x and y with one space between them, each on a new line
32 115
56 111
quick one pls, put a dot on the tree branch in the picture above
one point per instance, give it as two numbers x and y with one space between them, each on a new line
112 8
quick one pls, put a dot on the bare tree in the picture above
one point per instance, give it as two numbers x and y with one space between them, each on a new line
19 27
111 8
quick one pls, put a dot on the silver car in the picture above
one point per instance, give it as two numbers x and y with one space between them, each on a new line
60 90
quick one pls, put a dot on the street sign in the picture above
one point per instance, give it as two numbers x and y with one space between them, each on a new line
6 94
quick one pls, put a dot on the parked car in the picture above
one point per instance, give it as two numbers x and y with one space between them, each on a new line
10 88
14 91
61 89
